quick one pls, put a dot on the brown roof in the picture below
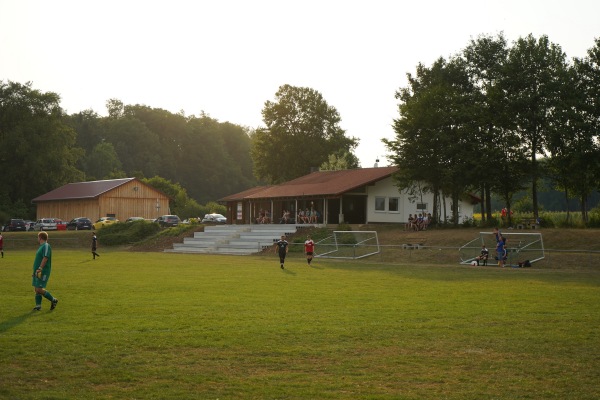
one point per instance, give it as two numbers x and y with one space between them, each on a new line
321 183
82 190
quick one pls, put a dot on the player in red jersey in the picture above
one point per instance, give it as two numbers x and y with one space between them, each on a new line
309 248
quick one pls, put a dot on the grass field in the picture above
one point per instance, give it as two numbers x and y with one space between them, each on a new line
173 326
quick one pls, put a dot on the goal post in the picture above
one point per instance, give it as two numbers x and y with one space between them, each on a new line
519 246
348 245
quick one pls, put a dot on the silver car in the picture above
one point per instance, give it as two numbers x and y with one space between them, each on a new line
45 224
214 218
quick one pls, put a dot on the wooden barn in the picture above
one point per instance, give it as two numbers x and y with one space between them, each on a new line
120 198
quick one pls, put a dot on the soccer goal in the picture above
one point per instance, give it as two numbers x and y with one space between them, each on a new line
348 245
520 248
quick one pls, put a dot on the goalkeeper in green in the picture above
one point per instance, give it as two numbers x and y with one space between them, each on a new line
42 266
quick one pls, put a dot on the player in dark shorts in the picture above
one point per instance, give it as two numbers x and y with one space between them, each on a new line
309 249
94 245
281 246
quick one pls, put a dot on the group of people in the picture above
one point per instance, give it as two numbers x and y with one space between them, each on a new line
501 250
264 217
418 222
307 216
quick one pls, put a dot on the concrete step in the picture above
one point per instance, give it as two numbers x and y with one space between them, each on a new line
233 239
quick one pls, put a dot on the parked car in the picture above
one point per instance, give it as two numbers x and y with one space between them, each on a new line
60 225
168 221
45 224
80 223
15 224
104 221
214 218
132 219
29 225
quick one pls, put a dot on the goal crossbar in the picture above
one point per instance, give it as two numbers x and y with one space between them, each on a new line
360 244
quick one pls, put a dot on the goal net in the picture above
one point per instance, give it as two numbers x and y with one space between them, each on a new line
520 247
348 244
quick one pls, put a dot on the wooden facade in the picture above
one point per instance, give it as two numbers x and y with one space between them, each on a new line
130 199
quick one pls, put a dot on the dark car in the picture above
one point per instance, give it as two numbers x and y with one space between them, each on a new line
78 224
15 224
168 221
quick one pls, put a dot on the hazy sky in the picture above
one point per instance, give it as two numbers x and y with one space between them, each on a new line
227 58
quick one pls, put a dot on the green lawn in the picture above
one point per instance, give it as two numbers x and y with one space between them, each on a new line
174 326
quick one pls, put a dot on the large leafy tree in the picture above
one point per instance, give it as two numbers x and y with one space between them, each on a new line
434 147
574 147
486 56
37 148
533 82
103 163
301 131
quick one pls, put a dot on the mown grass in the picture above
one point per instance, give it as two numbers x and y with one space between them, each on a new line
174 326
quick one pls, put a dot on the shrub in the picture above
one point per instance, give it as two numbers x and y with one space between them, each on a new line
127 233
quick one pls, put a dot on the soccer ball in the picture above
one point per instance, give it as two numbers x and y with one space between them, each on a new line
474 263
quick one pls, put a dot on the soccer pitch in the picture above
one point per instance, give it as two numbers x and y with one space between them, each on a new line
176 326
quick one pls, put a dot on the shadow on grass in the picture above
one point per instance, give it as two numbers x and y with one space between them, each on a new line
15 321
287 271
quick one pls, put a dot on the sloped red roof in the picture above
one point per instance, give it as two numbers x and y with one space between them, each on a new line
82 190
320 183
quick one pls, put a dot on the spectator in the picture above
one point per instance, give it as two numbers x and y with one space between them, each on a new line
483 256
313 216
426 221
306 218
410 223
300 218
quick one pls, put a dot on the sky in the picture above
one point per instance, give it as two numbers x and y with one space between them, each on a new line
227 57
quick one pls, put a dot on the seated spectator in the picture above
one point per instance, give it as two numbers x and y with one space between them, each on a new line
411 221
425 221
313 216
285 217
483 256
261 216
306 218
267 217
419 222
300 218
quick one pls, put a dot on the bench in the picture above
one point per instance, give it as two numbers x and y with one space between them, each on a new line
530 223
414 243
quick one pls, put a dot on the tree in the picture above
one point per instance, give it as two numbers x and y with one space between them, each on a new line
340 161
37 149
301 131
103 162
575 150
486 56
434 144
533 82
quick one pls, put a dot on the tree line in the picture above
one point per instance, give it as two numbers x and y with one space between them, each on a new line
194 159
494 119
497 118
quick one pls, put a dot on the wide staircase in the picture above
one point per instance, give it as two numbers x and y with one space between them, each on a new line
233 239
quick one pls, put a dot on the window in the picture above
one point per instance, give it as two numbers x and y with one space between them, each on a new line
379 203
421 206
393 204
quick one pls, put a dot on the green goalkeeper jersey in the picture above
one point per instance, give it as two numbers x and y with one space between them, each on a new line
43 251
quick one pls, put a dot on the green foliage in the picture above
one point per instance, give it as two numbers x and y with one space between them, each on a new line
340 161
299 118
124 233
102 162
37 147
